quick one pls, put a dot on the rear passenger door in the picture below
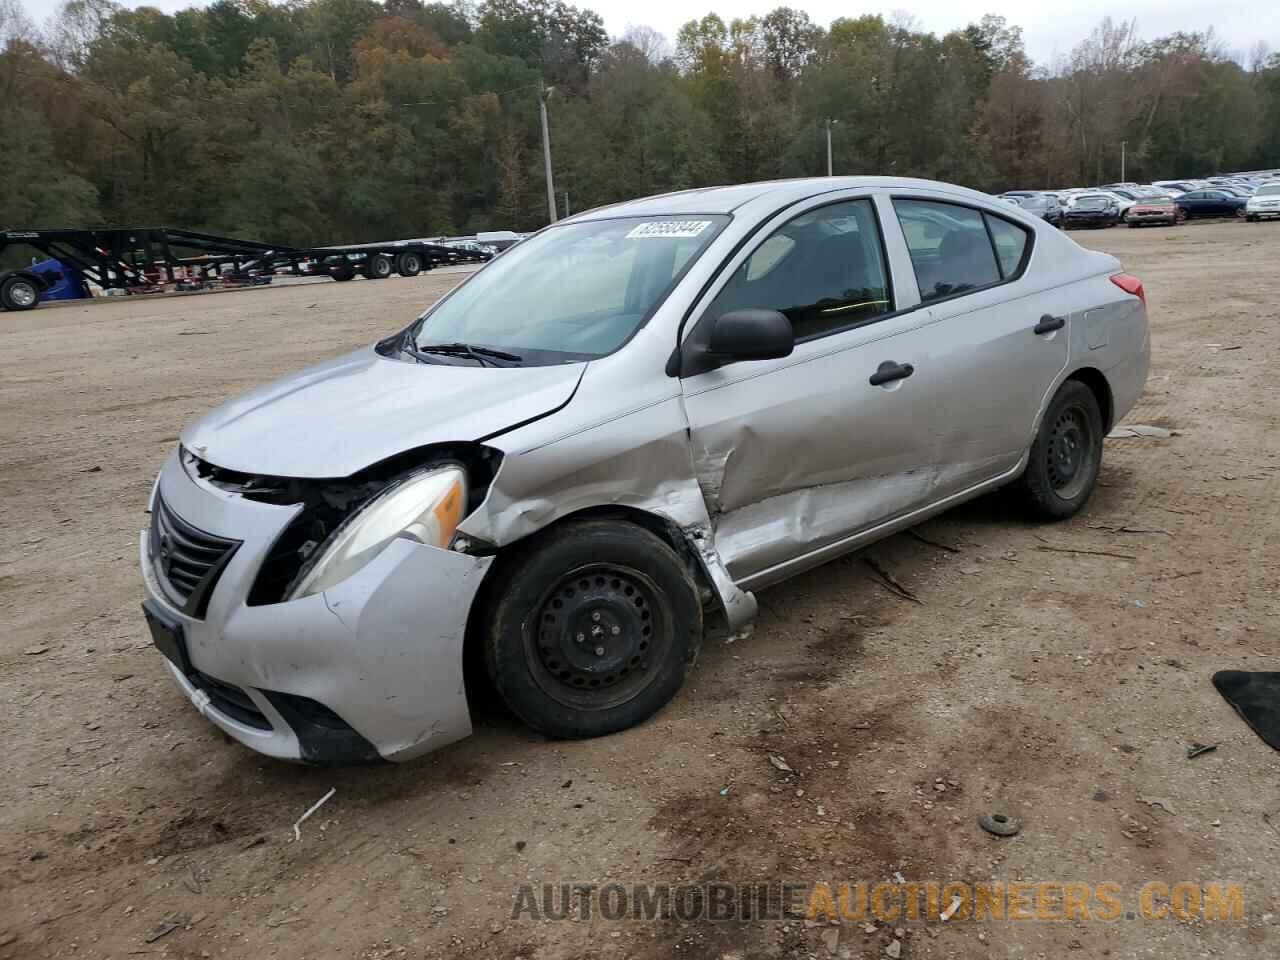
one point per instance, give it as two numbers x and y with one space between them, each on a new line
999 340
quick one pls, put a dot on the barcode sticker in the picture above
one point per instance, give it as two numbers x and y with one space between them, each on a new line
661 229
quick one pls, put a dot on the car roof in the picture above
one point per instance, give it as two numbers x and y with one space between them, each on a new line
770 194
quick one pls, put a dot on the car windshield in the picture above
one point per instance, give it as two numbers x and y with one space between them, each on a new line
1158 202
575 291
1268 190
1091 203
1034 203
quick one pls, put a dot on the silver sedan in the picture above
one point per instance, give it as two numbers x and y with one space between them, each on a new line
570 471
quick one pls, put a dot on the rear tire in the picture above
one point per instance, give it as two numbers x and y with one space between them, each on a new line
19 293
1062 468
408 264
592 629
377 266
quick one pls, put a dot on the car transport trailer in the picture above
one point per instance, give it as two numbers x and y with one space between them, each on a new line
145 259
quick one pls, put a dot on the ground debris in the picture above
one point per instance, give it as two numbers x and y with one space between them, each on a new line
1140 431
297 834
889 581
1049 548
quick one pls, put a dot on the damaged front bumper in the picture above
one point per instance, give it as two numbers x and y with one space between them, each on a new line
370 669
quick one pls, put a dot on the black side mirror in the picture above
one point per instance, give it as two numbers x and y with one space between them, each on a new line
751 335
737 335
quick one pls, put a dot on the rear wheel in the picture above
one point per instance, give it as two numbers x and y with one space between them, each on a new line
1180 217
592 630
1065 457
19 293
408 264
377 266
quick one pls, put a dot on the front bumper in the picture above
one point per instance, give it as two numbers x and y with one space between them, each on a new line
1262 211
381 653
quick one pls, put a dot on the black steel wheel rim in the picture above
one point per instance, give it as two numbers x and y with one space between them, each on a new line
1070 452
600 635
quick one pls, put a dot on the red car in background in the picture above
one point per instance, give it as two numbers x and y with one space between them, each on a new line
1156 210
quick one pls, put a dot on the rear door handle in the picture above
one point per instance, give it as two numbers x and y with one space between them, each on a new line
889 371
1048 324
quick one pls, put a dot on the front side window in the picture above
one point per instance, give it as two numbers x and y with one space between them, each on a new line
825 270
575 291
950 248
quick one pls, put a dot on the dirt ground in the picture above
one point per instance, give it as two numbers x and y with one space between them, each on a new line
1061 687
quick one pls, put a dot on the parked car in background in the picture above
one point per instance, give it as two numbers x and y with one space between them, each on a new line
1154 211
1211 203
1092 210
589 454
1265 202
1042 205
1175 186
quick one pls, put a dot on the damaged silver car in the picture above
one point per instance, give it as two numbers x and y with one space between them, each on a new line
582 461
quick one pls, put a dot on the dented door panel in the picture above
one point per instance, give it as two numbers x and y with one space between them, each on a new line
797 453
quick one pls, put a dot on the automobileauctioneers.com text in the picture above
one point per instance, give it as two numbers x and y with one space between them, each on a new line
887 902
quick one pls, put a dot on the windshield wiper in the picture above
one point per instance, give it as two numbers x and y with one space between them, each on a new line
481 355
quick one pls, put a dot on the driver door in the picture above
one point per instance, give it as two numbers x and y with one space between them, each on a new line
798 453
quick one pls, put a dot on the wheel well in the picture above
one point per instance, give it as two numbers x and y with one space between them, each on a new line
715 622
1096 381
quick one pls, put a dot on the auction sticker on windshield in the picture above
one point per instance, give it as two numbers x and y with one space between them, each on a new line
661 229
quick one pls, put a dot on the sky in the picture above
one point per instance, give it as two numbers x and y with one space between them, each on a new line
1049 30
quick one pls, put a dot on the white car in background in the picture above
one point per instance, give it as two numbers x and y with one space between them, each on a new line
1265 202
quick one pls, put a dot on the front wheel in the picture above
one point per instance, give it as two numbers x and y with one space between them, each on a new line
592 629
1062 468
19 293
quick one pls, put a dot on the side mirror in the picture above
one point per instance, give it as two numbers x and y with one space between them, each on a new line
751 335
737 335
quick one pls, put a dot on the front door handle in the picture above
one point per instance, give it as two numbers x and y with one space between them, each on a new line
1048 324
889 371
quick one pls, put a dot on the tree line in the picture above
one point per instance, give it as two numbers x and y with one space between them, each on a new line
322 121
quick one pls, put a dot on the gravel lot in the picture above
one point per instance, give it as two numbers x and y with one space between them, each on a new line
1062 687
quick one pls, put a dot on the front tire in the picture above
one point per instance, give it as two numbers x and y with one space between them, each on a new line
19 293
592 629
1062 468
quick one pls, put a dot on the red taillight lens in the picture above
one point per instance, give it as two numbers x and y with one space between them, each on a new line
1131 285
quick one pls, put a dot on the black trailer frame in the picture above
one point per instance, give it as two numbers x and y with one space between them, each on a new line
138 258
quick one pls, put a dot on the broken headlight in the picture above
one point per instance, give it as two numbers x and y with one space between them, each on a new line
425 508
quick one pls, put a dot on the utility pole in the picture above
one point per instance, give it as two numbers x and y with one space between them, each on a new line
1123 144
830 123
566 204
543 95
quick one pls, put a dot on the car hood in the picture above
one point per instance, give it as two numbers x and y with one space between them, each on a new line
336 418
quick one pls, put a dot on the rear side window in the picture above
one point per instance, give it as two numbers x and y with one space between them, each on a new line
1010 242
825 270
950 248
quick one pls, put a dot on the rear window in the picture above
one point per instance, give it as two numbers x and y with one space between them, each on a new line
1268 190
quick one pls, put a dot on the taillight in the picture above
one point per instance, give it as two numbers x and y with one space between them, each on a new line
1131 285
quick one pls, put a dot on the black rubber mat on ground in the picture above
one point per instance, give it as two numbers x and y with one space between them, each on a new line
1256 697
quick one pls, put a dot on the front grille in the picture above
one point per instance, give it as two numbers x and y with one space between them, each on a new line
187 560
230 700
